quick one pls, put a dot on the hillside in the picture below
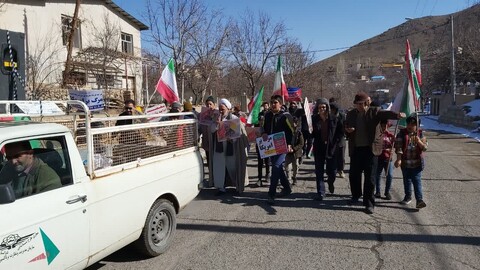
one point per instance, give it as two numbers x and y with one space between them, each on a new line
340 76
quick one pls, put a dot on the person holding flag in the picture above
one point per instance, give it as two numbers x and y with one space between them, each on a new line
409 147
256 118
364 145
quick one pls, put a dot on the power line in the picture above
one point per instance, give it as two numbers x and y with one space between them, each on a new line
359 45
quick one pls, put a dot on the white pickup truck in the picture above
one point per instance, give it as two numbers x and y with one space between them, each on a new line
118 184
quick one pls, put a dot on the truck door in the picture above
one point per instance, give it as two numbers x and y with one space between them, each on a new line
48 223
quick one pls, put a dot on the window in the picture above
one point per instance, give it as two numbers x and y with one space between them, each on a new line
127 43
47 162
66 28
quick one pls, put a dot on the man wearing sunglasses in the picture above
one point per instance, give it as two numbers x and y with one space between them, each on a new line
128 110
28 174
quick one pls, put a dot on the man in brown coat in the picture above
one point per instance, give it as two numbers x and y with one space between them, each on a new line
365 144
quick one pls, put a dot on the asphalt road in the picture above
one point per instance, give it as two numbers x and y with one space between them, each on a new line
244 232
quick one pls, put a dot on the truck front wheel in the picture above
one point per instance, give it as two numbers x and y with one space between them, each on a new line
159 229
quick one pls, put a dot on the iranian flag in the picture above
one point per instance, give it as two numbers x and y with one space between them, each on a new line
167 84
257 103
418 69
406 100
279 87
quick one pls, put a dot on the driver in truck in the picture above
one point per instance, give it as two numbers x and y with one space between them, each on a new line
28 174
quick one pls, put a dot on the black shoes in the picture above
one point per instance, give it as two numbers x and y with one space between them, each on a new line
318 198
369 210
284 193
388 197
331 188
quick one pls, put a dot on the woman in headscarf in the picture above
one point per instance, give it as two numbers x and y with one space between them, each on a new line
230 156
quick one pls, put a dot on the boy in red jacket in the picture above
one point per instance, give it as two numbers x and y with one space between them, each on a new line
384 162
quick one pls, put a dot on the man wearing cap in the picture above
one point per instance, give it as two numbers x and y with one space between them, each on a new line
365 144
27 174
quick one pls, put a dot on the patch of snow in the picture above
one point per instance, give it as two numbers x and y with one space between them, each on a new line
431 123
475 107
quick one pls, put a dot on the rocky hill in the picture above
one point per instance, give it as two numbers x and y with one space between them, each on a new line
344 74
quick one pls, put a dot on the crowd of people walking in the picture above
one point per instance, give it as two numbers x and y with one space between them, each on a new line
371 147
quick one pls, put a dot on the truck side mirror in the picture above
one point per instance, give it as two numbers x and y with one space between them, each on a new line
7 195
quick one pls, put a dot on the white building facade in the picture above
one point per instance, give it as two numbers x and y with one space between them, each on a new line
106 45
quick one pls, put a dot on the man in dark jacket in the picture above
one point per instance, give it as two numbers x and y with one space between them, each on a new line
262 162
327 132
364 144
340 149
276 120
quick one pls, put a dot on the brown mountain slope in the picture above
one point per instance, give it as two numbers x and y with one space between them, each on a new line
340 76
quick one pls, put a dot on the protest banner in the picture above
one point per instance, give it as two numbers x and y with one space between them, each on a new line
276 144
92 98
229 129
252 133
157 109
208 116
40 108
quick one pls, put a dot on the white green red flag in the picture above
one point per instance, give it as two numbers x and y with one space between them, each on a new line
254 112
406 100
418 67
167 84
279 86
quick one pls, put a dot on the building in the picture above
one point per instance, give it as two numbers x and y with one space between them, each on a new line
106 44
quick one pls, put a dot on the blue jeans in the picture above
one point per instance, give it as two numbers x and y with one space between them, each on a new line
384 165
278 173
320 160
413 176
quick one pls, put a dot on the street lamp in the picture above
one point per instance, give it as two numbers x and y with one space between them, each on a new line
452 69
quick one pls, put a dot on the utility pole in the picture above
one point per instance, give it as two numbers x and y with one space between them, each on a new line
452 68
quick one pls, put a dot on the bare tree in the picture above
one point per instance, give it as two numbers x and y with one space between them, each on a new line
42 62
253 41
206 52
172 24
72 31
295 60
108 59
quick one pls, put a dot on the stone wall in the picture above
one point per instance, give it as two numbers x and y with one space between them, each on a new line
455 115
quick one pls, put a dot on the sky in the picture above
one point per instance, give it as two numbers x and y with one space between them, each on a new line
328 26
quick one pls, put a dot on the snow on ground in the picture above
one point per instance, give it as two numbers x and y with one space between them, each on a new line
475 107
431 123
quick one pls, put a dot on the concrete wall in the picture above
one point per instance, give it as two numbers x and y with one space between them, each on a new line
41 21
440 103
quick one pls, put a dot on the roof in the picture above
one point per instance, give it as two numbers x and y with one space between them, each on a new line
129 17
10 130
132 19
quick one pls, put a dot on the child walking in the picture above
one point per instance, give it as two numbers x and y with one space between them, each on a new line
385 163
409 146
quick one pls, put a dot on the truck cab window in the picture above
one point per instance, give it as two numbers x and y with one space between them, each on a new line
36 166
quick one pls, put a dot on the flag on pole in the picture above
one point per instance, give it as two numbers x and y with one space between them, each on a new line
279 86
253 116
167 84
418 69
294 94
406 100
308 115
413 84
